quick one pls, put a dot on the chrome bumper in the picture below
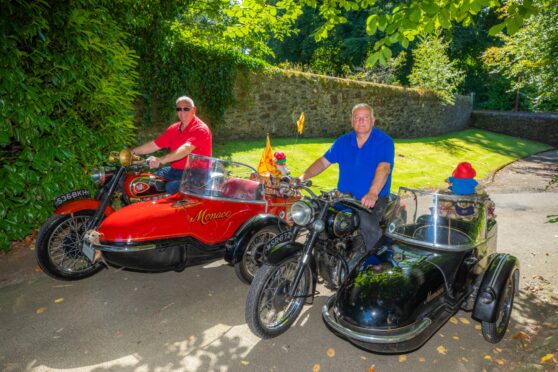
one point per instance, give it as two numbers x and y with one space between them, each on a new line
92 248
380 336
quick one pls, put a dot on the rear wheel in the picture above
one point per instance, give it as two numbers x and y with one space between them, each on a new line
58 248
270 310
252 256
494 331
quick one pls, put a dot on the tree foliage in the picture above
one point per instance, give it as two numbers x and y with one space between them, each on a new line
529 57
432 68
66 88
399 24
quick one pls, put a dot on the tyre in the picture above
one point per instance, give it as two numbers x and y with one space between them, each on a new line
58 248
493 332
269 311
252 256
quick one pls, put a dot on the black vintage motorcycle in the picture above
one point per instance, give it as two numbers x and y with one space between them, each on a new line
438 256
121 181
329 225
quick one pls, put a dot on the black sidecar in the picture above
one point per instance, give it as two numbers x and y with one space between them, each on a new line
439 257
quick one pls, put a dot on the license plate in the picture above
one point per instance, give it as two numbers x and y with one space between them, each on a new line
72 195
88 251
280 238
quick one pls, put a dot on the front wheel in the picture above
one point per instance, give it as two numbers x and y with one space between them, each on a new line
493 332
252 256
58 248
270 310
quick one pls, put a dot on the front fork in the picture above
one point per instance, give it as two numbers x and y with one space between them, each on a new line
95 221
317 228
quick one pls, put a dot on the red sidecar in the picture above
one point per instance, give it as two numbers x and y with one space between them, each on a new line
223 209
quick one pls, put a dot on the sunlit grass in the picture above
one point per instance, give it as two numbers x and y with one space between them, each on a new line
419 163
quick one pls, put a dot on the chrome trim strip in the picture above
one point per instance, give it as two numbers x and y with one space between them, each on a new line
123 248
249 201
372 338
471 198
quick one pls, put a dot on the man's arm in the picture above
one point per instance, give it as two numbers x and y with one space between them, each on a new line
316 168
380 177
146 148
180 153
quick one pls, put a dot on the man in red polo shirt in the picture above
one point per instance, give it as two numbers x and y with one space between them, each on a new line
189 135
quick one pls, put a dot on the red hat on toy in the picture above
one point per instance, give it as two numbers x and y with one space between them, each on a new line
464 170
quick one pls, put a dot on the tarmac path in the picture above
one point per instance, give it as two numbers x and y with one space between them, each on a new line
194 320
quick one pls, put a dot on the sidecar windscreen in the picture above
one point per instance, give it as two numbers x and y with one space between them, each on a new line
219 178
436 220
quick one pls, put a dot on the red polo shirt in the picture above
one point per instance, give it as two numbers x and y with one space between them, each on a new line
196 132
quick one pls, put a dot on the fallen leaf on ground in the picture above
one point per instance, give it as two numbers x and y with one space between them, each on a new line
478 327
464 320
40 310
500 362
521 335
331 352
487 357
244 362
37 269
497 350
316 368
455 337
422 359
465 359
442 350
547 357
453 320
402 358
58 300
372 369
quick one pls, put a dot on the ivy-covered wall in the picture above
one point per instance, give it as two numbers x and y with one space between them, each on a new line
270 101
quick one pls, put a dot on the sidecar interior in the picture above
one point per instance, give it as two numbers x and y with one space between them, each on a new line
439 221
220 178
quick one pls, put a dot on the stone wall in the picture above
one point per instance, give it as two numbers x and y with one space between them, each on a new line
270 101
542 127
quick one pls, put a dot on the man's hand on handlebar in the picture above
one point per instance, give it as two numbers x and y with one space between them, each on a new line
369 200
153 161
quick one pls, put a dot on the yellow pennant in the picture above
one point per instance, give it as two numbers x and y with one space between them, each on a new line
300 123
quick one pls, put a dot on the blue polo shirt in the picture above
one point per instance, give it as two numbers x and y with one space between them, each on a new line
358 166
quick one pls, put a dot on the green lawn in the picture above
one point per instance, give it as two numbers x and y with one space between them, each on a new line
419 162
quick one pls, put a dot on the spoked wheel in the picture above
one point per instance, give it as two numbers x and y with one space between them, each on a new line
270 310
494 331
58 247
252 257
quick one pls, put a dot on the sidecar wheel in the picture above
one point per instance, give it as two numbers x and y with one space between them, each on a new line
252 256
269 312
493 332
58 247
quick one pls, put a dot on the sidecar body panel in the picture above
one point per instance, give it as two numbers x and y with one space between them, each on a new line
439 254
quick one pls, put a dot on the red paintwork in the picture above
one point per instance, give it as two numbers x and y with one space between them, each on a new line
80 205
208 220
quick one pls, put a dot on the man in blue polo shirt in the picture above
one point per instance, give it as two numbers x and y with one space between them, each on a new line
365 157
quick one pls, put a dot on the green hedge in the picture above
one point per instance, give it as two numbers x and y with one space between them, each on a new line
66 91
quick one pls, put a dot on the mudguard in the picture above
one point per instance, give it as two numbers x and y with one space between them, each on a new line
237 244
282 251
500 268
80 205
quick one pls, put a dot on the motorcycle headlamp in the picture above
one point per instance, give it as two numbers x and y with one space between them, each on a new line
302 212
98 175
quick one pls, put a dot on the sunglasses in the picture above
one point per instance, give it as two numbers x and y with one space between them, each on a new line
183 109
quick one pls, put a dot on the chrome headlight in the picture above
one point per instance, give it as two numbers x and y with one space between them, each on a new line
302 212
98 175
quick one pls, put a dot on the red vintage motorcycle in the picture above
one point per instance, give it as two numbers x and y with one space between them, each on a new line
223 209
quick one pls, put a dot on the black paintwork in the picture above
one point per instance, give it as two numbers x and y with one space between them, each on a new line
171 254
501 267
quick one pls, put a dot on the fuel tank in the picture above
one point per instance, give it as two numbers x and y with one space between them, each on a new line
207 220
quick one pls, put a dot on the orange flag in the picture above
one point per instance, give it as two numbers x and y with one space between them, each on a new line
300 123
267 165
